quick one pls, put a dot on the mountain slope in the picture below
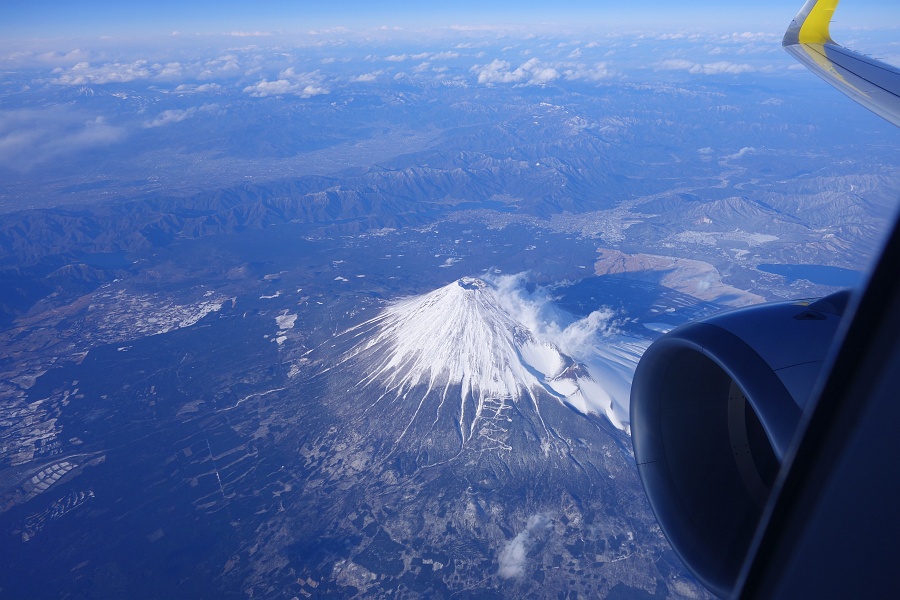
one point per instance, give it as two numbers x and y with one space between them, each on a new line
443 455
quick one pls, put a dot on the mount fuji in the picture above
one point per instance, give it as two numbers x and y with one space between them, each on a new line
468 353
473 438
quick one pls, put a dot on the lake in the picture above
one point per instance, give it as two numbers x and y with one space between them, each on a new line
821 274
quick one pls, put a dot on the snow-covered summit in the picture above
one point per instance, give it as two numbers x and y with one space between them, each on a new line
463 350
455 335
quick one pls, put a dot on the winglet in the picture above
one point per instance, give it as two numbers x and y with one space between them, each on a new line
810 26
872 83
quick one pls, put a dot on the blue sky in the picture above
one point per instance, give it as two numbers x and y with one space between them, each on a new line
90 18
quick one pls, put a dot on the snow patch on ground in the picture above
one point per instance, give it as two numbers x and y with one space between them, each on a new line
120 315
286 321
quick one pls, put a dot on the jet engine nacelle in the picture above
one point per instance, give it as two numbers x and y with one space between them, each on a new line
714 407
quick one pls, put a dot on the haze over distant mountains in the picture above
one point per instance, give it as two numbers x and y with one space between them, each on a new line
357 316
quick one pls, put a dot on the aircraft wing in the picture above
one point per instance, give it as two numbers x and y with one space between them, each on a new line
872 83
766 438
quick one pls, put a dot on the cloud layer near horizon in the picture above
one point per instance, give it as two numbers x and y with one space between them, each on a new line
315 64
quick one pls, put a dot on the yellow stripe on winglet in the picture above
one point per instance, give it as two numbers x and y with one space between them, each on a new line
815 28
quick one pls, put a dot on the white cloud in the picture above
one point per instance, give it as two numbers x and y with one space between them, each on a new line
171 116
577 338
396 57
222 66
597 72
544 76
676 64
476 28
750 36
84 74
531 72
514 554
340 30
682 35
93 73
65 58
206 87
304 85
249 33
367 77
167 117
496 72
313 90
271 88
169 70
741 153
46 58
512 557
714 68
32 137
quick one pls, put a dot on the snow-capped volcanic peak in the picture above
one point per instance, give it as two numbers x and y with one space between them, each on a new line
455 335
461 349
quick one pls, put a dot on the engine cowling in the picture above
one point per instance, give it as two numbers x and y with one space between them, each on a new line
714 408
